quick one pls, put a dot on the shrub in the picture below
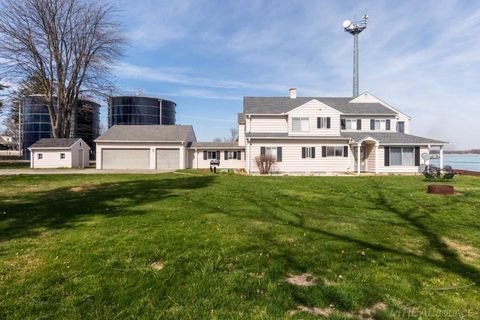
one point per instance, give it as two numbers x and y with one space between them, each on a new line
265 163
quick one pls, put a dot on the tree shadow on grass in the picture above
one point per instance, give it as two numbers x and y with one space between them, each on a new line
409 210
26 213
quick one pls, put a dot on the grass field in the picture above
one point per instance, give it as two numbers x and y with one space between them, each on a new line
14 165
198 246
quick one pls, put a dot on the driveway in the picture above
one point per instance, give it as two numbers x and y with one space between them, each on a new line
13 172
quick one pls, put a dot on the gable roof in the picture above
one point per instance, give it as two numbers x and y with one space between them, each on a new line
54 143
390 138
149 133
279 105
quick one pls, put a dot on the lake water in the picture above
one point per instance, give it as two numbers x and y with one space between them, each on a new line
460 161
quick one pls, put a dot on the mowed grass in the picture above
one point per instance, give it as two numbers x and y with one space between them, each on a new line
14 165
82 246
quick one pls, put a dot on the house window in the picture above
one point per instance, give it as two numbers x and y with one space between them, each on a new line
351 124
232 155
40 156
402 156
62 155
334 151
211 155
376 124
300 124
308 152
323 122
271 151
401 126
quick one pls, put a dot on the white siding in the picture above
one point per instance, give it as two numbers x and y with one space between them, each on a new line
152 146
241 135
292 161
51 159
367 97
267 124
366 123
312 110
197 162
398 169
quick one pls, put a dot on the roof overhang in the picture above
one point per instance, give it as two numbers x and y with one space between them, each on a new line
298 138
137 141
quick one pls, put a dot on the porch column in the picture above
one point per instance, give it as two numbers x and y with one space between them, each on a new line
376 157
441 157
359 161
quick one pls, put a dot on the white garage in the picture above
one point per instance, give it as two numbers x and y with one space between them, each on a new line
125 158
168 159
147 147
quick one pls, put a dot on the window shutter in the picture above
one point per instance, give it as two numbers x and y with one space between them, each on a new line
343 124
279 154
387 156
218 155
313 152
324 151
328 123
387 124
226 155
417 156
239 155
205 155
345 151
318 123
359 124
262 151
303 152
372 124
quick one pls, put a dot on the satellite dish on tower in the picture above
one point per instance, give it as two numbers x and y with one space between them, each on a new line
346 23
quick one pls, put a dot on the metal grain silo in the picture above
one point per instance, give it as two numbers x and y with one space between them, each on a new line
138 110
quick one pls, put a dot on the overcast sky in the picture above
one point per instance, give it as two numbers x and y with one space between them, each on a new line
420 56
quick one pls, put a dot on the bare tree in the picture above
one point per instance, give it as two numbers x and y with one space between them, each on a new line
233 135
70 45
265 163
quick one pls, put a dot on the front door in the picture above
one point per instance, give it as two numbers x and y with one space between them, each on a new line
80 158
362 158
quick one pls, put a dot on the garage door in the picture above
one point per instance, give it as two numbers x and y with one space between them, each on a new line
126 158
168 159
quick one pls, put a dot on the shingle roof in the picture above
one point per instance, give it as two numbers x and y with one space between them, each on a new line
149 133
277 105
54 143
266 134
218 145
391 137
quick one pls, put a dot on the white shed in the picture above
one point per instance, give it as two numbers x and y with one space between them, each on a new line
59 153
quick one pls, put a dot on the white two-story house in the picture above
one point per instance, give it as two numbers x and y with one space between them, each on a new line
322 134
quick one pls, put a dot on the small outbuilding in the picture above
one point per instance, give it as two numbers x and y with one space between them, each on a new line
59 153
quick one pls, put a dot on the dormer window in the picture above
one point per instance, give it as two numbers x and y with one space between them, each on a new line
323 123
300 125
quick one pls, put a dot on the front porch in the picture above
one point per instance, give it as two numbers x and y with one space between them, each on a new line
371 156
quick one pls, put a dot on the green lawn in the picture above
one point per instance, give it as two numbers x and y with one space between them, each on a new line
81 247
14 165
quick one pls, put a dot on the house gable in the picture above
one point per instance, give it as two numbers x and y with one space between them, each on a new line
313 110
367 97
